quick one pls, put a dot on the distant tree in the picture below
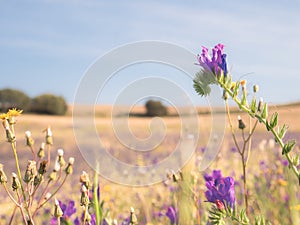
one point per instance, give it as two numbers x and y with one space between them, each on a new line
11 98
155 108
49 104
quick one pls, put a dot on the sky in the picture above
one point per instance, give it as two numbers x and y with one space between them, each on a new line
47 46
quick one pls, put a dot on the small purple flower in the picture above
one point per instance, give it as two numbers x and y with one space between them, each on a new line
172 215
220 188
215 64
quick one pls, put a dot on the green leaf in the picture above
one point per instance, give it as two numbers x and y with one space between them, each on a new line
282 131
288 147
202 81
274 120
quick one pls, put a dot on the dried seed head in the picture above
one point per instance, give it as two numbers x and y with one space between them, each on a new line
60 152
71 160
27 134
56 166
57 210
84 179
48 195
41 152
15 183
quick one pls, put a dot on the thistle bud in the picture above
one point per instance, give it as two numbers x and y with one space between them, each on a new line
69 168
42 169
133 219
255 88
84 179
60 157
57 210
41 152
241 123
52 175
3 178
15 183
243 84
30 172
84 199
49 140
29 139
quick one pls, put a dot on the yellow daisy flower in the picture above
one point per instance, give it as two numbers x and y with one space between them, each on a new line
3 116
14 112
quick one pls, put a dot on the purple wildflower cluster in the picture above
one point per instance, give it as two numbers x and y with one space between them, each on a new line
216 63
220 189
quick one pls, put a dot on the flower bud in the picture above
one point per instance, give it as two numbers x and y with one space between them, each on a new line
84 179
84 199
255 88
49 140
29 139
241 123
30 172
264 113
69 168
57 210
41 153
243 84
42 169
60 158
133 219
225 95
15 183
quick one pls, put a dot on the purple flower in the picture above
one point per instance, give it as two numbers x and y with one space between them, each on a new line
220 188
216 63
172 215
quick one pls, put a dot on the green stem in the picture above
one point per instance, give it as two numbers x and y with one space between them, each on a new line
95 196
262 120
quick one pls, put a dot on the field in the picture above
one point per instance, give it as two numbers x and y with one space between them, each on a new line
273 191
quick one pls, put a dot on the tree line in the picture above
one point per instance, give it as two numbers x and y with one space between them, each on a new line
43 104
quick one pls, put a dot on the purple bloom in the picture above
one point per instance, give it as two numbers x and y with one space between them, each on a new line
220 188
172 215
215 64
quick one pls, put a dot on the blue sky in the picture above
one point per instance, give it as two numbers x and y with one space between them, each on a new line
46 46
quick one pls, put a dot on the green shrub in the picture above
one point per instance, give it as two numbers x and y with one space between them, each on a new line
155 108
49 104
10 98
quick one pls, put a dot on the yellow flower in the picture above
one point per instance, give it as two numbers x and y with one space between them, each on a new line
282 182
14 112
3 116
295 207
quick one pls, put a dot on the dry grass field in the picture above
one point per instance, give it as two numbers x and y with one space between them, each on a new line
62 127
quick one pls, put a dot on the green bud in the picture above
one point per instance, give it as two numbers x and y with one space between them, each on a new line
274 120
296 160
244 98
9 135
253 105
288 147
255 88
264 113
282 131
